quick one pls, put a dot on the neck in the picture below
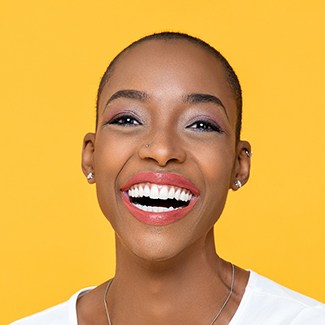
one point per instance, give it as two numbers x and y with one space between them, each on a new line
187 288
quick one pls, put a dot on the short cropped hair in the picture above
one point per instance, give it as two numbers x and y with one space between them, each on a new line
231 75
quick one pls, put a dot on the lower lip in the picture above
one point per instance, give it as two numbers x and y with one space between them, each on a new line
157 218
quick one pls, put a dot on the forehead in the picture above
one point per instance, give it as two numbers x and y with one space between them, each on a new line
169 68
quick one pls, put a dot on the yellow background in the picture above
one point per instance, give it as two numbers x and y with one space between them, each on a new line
53 237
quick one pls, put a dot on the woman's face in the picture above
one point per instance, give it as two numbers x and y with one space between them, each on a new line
165 139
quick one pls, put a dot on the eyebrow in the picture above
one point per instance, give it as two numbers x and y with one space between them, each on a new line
195 98
205 98
128 93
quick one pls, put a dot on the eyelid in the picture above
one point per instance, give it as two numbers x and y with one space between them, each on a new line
123 114
207 120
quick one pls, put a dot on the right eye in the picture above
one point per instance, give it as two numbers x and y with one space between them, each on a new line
124 120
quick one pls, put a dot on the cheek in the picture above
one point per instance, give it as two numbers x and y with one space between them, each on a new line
111 154
215 160
109 159
216 169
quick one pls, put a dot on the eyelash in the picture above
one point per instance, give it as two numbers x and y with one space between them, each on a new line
124 120
205 126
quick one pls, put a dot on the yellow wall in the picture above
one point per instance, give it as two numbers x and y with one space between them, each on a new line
53 238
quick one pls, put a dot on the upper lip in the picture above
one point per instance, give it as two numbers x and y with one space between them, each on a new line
161 179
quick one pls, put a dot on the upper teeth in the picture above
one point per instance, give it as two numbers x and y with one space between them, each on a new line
162 192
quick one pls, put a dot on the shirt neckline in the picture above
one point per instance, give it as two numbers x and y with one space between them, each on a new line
250 283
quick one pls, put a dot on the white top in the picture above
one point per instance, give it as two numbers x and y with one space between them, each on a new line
264 303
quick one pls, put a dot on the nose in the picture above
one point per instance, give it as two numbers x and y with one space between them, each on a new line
163 148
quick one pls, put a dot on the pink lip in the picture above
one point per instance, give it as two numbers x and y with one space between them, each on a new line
159 218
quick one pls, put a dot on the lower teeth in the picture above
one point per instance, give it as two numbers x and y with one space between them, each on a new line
154 209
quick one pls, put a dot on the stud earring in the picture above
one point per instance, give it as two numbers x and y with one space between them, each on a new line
147 145
248 154
238 184
90 176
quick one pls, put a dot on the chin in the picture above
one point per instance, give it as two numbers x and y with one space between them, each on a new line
158 246
157 252
155 245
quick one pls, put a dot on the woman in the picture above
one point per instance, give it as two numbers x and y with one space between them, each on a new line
165 153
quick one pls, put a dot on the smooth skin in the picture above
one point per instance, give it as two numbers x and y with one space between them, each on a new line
166 274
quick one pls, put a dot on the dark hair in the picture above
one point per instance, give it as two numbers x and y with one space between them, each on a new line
231 75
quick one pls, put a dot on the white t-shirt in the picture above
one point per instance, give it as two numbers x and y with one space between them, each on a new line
264 303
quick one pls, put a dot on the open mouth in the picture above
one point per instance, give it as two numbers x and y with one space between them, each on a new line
159 198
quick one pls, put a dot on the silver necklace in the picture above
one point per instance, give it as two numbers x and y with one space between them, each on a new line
213 320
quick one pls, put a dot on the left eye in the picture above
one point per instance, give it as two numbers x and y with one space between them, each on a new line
205 126
124 120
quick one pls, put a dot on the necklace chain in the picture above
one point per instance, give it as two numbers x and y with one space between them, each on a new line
213 320
105 303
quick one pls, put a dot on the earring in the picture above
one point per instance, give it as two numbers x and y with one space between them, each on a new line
238 184
248 154
90 176
147 145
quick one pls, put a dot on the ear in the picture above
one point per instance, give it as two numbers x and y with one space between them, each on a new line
88 150
242 164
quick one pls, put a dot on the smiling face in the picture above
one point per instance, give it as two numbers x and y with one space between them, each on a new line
165 151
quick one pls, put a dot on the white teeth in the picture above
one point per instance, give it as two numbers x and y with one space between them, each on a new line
141 191
154 192
146 190
171 193
183 196
161 192
177 194
154 209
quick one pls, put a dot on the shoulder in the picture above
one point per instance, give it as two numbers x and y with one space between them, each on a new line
267 302
62 314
